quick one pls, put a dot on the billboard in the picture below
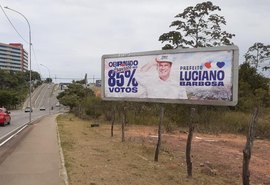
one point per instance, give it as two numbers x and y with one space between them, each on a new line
204 76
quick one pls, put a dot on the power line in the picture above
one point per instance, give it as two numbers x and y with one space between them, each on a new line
21 36
13 25
70 78
36 61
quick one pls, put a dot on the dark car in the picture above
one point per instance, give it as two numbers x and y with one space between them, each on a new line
28 109
4 117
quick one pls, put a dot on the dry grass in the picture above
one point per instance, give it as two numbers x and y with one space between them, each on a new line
94 158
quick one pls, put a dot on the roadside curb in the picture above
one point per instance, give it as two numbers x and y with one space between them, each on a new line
63 170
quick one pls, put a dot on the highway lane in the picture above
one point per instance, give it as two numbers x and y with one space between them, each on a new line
18 119
43 96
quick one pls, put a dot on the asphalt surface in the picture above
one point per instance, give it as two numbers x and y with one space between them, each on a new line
34 156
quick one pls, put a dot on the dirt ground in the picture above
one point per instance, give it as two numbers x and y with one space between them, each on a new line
93 157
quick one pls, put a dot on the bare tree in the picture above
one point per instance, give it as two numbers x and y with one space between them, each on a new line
123 122
197 26
113 119
248 147
258 53
159 133
189 141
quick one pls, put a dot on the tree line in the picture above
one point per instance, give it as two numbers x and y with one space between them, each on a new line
14 87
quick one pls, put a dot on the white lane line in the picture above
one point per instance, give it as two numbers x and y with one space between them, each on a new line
1 144
38 96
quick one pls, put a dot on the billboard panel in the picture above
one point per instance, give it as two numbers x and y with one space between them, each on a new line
205 76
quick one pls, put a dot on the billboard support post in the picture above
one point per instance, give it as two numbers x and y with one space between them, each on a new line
124 115
189 141
159 132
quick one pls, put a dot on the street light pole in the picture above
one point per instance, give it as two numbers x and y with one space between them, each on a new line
30 70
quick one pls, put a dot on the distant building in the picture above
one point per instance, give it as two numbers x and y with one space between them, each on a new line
13 57
98 83
63 86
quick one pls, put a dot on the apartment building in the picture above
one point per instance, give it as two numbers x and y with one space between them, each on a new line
13 57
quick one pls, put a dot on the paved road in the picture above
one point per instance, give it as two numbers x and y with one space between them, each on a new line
43 96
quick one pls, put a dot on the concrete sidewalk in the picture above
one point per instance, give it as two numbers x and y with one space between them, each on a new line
36 160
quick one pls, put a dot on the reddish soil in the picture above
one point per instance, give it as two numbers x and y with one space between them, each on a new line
222 152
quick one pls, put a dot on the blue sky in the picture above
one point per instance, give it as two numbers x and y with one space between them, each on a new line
70 36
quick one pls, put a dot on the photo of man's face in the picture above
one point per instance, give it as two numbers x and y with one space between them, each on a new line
164 69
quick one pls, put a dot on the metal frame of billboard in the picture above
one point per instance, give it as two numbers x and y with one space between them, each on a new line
234 75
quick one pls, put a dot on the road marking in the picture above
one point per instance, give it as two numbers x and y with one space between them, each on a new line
10 137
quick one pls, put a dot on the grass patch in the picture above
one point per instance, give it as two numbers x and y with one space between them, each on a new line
93 157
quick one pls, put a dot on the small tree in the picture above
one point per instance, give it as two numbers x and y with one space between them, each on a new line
253 87
48 80
71 100
258 53
197 26
74 95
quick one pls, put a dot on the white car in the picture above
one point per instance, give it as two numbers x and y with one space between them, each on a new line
28 109
42 108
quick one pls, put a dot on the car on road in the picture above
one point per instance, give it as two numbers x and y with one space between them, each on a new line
42 108
28 109
4 117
